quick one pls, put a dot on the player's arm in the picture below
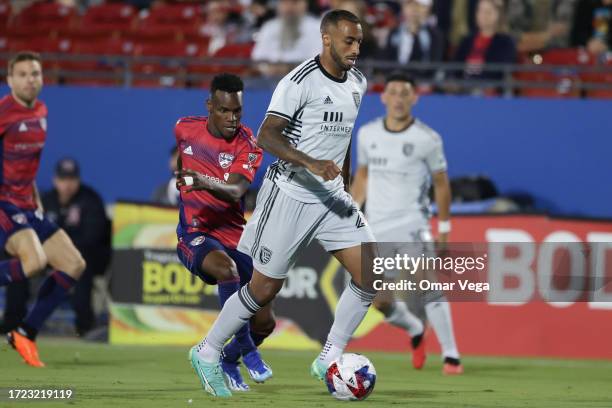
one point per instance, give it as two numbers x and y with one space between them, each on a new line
359 185
442 195
232 191
271 139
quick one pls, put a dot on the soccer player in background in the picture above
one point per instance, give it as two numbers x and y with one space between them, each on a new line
308 126
218 158
398 157
25 234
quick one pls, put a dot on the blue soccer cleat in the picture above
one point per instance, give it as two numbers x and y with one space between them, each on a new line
210 374
318 369
258 370
234 379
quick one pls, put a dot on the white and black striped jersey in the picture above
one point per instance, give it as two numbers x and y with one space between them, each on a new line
400 165
321 111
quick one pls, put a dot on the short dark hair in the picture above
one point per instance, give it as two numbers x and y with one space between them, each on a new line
400 76
23 56
225 82
333 17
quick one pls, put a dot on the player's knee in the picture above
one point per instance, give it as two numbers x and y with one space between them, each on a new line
78 266
223 268
382 305
34 263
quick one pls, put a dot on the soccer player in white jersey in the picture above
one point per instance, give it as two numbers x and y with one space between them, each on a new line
398 158
304 196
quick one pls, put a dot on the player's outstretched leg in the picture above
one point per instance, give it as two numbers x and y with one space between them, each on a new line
31 259
438 314
238 309
396 313
68 263
350 311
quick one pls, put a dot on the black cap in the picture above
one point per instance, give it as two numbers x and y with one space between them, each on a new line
67 168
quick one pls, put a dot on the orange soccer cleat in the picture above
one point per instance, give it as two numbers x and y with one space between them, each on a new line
452 369
25 347
418 354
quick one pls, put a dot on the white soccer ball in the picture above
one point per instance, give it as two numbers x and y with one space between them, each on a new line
351 377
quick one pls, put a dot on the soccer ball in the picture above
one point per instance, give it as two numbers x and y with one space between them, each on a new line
351 377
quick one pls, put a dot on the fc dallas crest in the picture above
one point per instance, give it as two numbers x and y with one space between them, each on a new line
225 160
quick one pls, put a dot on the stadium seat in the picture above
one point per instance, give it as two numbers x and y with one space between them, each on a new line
163 73
153 35
228 52
565 78
561 85
97 68
110 16
49 16
177 16
5 14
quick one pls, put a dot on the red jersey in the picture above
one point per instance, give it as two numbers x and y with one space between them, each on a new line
215 158
23 132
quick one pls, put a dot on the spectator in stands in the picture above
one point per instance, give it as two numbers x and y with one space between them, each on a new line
218 26
285 41
79 210
416 39
166 193
540 24
592 26
488 44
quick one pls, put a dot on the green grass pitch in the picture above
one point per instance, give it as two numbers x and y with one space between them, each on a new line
131 376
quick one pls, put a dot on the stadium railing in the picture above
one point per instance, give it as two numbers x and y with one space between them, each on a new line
531 79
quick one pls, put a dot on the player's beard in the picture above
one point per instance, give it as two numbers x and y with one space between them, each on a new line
338 59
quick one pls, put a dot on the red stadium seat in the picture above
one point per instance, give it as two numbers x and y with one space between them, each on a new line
566 79
48 16
562 86
177 16
110 16
567 56
242 51
165 74
5 14
153 35
100 70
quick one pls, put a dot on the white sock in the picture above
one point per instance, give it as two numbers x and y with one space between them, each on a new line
439 315
352 308
236 311
401 317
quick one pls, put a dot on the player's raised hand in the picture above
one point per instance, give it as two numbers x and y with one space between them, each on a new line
325 168
187 177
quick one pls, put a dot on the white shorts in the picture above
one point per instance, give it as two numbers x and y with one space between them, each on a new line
412 239
281 226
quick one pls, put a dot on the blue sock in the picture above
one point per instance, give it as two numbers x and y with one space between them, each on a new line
52 292
242 342
11 271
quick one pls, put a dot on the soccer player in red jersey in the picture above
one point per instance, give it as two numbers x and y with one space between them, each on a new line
218 158
31 239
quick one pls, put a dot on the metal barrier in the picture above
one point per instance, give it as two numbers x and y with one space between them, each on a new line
432 77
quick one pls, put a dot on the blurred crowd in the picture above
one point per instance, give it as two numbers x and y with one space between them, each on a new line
473 31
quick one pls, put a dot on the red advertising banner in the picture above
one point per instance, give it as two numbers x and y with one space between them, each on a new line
530 325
